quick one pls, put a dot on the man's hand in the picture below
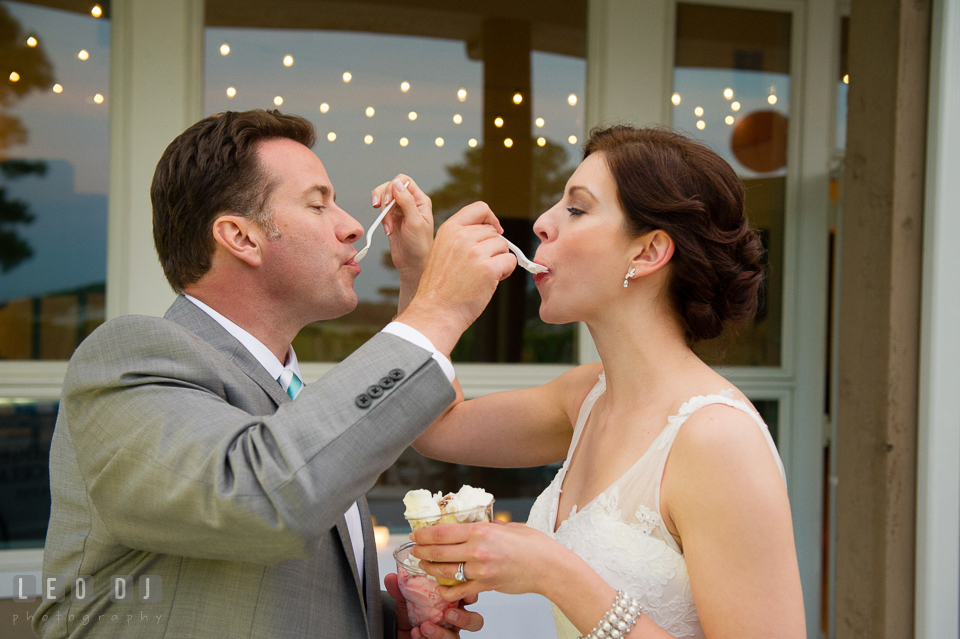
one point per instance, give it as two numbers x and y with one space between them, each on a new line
409 227
468 260
460 618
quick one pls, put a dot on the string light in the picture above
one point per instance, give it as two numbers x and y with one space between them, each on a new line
498 122
278 100
572 139
412 116
472 142
507 142
369 112
772 99
457 118
728 93
368 139
57 88
224 49
324 107
729 119
288 60
83 55
14 76
698 111
98 98
404 141
31 41
517 98
461 94
96 11
438 141
539 122
701 125
675 99
846 78
347 76
231 91
404 86
735 106
572 99
541 141
331 136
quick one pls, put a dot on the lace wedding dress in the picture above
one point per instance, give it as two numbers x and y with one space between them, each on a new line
621 534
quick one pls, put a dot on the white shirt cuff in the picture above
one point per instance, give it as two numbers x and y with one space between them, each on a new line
417 338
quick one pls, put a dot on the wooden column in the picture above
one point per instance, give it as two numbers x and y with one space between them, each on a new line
882 252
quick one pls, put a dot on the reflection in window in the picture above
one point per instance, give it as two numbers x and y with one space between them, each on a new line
472 106
732 90
26 428
53 178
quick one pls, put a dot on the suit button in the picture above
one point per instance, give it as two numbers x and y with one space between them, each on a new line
363 400
396 374
374 391
387 383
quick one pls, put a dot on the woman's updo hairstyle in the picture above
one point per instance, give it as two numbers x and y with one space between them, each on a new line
669 182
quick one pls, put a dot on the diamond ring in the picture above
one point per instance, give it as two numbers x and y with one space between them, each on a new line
460 576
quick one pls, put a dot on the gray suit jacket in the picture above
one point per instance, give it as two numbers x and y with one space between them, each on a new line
175 454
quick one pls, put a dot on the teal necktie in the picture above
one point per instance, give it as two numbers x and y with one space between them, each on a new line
290 382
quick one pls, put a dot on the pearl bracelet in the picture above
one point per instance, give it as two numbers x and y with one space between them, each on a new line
618 621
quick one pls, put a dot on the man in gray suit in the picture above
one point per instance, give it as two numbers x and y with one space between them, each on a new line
191 496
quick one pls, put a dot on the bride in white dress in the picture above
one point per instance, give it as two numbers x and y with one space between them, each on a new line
672 490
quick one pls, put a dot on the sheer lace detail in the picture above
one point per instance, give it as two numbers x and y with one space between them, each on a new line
621 533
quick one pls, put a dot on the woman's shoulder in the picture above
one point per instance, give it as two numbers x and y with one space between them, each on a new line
570 389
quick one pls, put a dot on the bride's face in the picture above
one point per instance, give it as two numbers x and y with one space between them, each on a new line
584 246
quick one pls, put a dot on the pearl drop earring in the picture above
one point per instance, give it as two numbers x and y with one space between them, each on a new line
626 279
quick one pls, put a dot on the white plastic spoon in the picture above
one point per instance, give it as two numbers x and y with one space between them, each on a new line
522 260
373 227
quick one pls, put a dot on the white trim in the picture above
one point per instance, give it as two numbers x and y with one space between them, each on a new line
19 562
156 89
938 454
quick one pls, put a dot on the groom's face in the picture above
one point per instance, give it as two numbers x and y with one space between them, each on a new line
309 265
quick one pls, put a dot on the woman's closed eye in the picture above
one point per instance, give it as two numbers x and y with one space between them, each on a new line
575 211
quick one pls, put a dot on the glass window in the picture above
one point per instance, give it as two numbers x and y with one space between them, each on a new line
26 427
732 90
475 102
471 104
53 178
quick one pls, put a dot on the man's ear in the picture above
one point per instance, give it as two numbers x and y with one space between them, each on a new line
240 236
655 251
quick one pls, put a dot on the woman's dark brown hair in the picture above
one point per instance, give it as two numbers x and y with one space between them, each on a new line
669 182
211 169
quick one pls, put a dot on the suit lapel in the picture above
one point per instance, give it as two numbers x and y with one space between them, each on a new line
194 319
351 558
371 570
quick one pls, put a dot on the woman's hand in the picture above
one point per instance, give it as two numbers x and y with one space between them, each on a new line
409 227
459 618
508 558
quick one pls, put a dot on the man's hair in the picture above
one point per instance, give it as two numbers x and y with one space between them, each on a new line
211 169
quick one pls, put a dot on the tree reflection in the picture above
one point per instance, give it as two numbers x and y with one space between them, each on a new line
33 72
503 322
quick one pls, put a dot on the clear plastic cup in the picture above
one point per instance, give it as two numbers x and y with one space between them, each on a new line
419 589
473 515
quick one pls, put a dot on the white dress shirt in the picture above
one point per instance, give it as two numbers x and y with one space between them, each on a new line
275 367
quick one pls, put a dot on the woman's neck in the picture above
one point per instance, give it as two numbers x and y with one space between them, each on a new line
645 356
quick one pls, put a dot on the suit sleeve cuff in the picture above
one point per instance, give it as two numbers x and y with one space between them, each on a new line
417 338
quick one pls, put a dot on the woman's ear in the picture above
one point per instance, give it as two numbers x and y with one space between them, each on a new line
656 250
239 236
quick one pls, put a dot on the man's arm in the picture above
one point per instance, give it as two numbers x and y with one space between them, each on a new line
172 466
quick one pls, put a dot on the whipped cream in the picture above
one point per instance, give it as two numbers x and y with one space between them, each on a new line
469 499
421 504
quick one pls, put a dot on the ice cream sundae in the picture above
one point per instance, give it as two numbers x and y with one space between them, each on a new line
468 505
